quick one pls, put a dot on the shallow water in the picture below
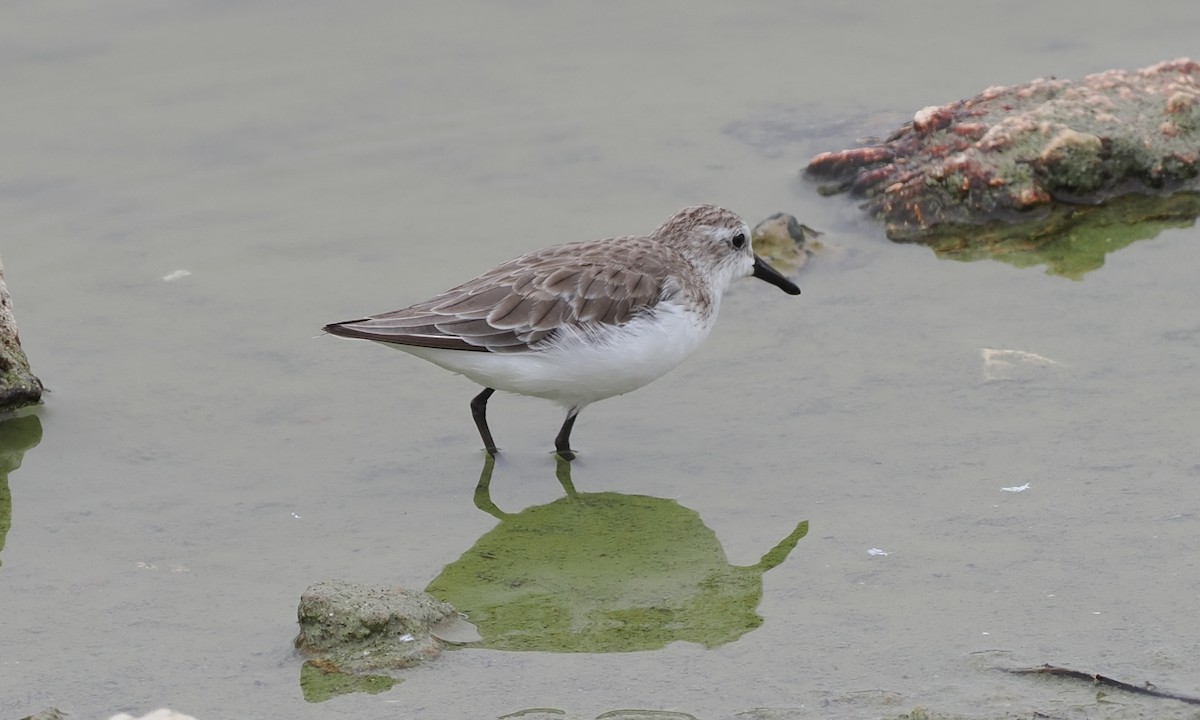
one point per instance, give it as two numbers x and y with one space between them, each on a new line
205 456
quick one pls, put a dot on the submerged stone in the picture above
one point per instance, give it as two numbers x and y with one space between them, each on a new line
1013 169
784 242
353 628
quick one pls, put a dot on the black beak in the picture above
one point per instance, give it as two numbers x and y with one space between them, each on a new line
763 271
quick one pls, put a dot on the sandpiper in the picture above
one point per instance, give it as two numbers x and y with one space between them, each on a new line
580 322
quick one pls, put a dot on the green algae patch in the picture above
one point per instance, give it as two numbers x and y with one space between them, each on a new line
1071 240
17 435
603 572
320 683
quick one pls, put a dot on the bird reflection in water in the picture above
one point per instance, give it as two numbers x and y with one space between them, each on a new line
603 572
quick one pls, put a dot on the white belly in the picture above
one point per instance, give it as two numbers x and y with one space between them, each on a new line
580 370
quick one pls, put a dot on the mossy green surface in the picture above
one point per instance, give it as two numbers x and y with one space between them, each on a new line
1072 240
17 435
603 572
320 684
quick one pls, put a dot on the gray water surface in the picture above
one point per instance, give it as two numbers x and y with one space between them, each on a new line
206 455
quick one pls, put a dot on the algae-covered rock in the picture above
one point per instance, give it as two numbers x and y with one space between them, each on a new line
363 628
784 242
603 572
1013 168
18 385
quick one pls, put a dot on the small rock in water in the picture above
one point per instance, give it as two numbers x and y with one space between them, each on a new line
784 242
363 628
18 385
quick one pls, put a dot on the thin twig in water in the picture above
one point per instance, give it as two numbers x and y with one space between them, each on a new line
1146 689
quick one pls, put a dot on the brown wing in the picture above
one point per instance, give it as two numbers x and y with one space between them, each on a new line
518 305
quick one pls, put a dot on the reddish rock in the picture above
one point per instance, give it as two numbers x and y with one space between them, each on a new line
1010 155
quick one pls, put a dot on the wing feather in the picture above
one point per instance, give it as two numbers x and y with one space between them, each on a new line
523 304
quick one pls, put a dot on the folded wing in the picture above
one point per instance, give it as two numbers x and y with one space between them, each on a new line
521 305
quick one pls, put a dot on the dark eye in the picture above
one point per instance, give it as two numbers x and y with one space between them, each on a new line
739 241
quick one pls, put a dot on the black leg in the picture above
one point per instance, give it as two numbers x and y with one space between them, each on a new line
479 412
562 443
483 493
562 471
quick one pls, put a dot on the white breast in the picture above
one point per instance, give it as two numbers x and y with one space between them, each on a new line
581 369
